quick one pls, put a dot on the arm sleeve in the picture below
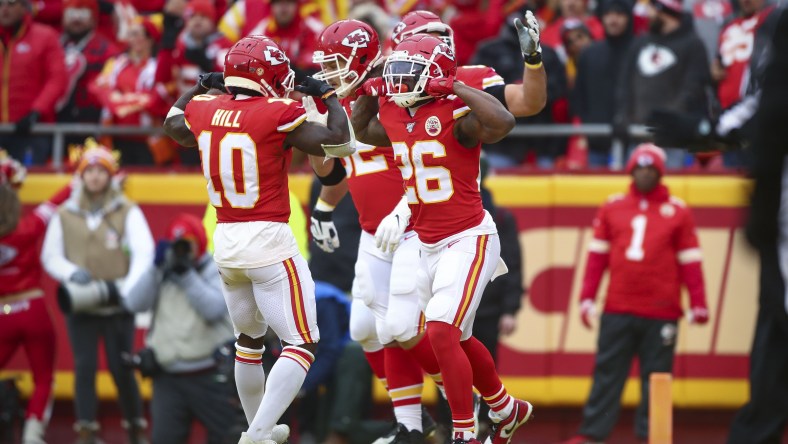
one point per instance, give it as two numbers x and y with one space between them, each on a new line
330 347
53 256
688 255
512 255
598 257
142 295
55 86
204 291
141 248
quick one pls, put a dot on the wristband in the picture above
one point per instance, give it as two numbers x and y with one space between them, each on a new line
328 95
324 206
533 59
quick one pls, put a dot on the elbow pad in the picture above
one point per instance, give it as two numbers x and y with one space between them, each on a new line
343 149
336 175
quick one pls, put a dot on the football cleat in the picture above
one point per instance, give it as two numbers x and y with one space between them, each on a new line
428 425
469 441
503 429
401 435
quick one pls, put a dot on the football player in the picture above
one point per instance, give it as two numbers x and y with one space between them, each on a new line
348 51
522 100
435 126
245 140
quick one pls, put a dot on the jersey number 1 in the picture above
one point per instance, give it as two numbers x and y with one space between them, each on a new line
635 250
240 190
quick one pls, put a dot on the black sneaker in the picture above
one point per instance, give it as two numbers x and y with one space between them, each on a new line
401 435
427 423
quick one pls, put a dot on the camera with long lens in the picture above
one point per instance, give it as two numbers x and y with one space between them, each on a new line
79 298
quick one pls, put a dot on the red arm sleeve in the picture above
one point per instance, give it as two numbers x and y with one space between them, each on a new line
598 257
55 86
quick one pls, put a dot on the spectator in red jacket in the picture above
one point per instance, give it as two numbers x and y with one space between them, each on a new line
127 89
476 25
86 53
285 23
571 9
647 238
32 88
24 318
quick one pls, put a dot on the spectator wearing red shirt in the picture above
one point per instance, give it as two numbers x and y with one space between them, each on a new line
24 318
571 9
285 24
86 53
129 94
647 238
32 80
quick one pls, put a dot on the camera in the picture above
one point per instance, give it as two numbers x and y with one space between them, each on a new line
179 259
78 298
144 361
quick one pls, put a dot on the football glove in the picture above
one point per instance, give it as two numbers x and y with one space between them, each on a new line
81 276
392 227
317 88
323 230
212 80
375 86
528 34
440 87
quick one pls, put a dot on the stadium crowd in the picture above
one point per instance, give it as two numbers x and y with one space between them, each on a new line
125 63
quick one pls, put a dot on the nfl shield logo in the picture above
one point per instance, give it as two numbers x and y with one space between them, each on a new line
410 126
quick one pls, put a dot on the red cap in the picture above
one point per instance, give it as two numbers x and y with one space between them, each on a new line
647 154
86 4
189 227
204 8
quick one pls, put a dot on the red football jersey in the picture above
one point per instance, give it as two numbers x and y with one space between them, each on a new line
374 181
243 156
480 77
648 240
441 176
735 49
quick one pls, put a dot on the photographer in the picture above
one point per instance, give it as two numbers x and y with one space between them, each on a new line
190 321
97 246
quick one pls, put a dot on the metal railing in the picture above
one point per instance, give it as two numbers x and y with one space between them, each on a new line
59 131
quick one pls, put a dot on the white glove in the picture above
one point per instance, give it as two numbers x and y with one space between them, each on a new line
392 227
528 35
312 114
324 232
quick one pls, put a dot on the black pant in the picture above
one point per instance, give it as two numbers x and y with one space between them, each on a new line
117 333
762 420
621 338
178 399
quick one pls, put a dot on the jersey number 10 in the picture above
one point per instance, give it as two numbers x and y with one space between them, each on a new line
240 190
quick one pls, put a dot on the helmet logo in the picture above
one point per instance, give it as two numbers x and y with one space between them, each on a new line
445 50
396 32
274 55
359 38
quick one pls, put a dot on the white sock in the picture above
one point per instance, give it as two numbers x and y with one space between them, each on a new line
409 416
284 382
249 379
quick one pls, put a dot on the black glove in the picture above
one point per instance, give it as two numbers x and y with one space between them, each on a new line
212 80
673 128
172 26
317 88
200 58
25 124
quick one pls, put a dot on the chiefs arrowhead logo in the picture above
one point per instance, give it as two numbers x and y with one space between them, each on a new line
274 55
397 30
654 60
445 50
359 38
